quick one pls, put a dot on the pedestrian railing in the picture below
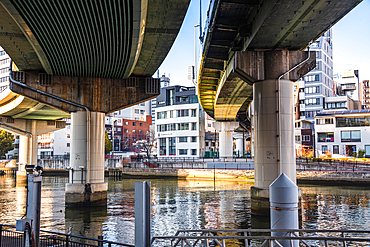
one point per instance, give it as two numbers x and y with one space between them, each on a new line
262 237
10 237
332 165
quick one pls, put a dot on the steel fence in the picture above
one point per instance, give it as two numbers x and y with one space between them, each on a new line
262 237
9 237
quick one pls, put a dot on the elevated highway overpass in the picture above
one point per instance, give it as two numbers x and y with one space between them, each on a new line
253 50
84 59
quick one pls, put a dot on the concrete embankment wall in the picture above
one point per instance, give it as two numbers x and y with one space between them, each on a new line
315 177
189 173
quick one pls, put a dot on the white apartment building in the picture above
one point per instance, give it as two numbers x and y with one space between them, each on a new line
342 133
318 83
179 123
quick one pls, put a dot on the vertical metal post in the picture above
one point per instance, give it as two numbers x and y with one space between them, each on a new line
82 175
142 214
34 205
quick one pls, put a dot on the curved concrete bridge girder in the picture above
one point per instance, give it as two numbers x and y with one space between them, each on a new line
105 39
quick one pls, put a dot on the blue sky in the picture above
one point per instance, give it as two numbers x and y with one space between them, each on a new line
351 44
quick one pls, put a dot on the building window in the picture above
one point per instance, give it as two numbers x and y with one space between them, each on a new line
351 136
140 131
310 90
172 145
193 126
68 144
297 138
183 139
324 121
137 111
367 151
133 123
126 123
162 146
324 149
193 152
306 138
183 113
140 124
142 104
142 112
335 149
183 99
193 139
133 131
325 137
352 121
171 114
315 101
126 130
193 112
183 152
172 97
183 126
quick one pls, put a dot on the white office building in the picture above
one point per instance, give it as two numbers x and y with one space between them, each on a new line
179 123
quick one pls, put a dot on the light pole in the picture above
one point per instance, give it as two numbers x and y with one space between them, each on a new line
195 56
113 120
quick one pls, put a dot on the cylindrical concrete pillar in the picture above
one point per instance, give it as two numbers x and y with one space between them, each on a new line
239 143
274 131
24 151
78 147
97 145
86 178
33 145
226 141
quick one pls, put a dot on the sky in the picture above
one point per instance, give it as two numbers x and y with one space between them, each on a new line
351 44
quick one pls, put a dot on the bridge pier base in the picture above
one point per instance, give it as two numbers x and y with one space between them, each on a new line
86 177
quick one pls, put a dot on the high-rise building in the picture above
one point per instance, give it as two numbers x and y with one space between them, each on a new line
179 123
317 84
366 94
4 69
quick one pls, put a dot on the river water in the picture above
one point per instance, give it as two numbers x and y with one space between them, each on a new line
181 204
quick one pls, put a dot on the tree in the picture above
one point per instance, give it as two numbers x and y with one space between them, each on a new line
108 144
6 142
147 143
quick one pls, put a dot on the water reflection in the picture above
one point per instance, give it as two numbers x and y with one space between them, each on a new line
180 204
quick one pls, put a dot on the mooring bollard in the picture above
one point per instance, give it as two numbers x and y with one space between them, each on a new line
283 207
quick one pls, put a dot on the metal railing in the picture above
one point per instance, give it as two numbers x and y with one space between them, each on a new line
262 237
10 237
332 165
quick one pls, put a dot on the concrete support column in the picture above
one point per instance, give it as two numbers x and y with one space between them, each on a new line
225 130
33 144
274 151
86 178
273 117
274 135
24 149
240 143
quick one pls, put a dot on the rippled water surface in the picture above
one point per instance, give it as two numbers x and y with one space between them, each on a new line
180 204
